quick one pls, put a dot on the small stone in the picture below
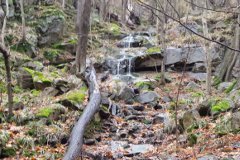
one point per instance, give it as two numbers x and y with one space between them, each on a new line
89 141
158 106
139 108
158 119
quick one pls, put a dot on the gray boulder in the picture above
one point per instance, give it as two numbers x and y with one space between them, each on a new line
25 80
147 97
127 94
189 118
224 85
235 121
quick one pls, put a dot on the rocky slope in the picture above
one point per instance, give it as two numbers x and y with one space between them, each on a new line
136 119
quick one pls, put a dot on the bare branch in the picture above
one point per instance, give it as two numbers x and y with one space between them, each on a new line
186 27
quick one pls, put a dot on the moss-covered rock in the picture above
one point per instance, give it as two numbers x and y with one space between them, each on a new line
49 22
39 79
144 85
25 47
57 56
74 99
222 106
153 50
52 112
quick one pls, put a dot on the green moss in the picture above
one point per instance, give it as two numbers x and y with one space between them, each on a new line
37 76
153 50
76 97
22 47
146 85
230 88
8 152
221 106
197 94
45 112
48 11
216 81
51 54
192 139
3 88
113 29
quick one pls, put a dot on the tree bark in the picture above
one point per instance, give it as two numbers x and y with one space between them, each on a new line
208 54
4 24
83 18
6 56
124 11
76 139
23 21
63 4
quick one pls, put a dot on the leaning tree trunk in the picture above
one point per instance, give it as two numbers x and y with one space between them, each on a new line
6 56
76 139
83 18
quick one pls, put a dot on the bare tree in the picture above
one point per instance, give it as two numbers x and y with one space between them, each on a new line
207 52
83 18
23 21
124 11
4 23
63 4
6 56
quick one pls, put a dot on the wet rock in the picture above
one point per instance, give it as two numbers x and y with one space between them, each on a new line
147 97
89 141
208 157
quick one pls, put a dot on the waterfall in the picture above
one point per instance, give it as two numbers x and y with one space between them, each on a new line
130 40
129 66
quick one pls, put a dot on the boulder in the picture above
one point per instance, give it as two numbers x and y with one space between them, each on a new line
127 94
192 85
147 61
235 121
224 85
189 118
25 80
51 26
34 65
147 97
199 67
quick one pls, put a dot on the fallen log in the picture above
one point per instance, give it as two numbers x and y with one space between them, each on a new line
76 138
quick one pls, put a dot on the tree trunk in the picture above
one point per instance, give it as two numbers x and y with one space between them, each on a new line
230 68
124 11
83 18
4 24
6 56
208 54
76 139
23 21
63 4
